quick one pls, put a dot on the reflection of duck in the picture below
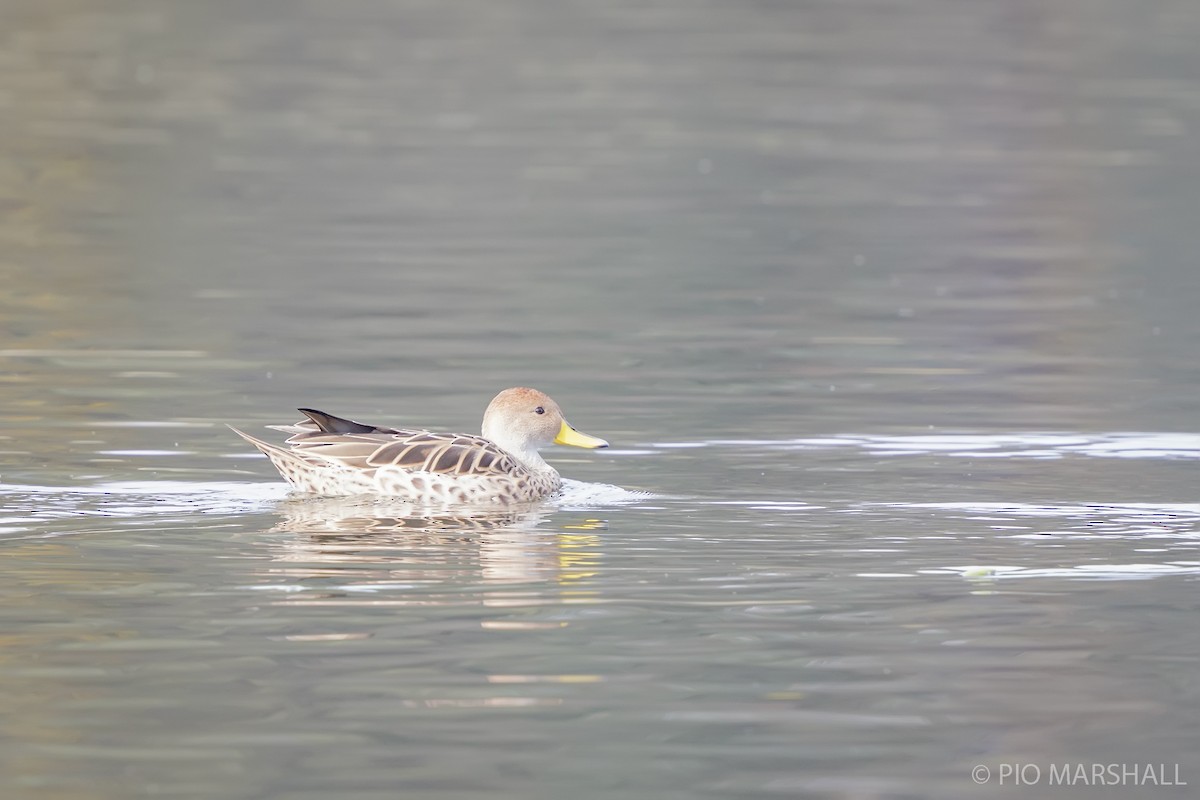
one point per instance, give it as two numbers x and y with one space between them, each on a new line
334 456
358 515
375 543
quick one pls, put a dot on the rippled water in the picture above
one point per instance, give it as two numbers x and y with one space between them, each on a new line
887 310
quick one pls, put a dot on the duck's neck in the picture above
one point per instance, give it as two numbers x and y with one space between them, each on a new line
529 457
533 460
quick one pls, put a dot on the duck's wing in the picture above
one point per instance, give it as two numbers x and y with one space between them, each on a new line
414 450
319 421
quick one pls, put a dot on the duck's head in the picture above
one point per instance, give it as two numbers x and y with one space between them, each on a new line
522 421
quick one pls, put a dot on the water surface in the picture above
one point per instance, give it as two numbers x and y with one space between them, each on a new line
888 312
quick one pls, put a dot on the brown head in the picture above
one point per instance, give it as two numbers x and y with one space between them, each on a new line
524 420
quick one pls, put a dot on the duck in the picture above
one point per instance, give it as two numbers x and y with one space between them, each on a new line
337 457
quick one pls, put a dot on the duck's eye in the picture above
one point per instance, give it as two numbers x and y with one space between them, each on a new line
539 410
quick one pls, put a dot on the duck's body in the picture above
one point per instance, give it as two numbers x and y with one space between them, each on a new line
334 456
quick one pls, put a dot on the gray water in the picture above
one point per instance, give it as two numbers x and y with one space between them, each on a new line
888 309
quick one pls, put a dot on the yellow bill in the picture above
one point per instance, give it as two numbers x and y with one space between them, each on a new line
568 435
